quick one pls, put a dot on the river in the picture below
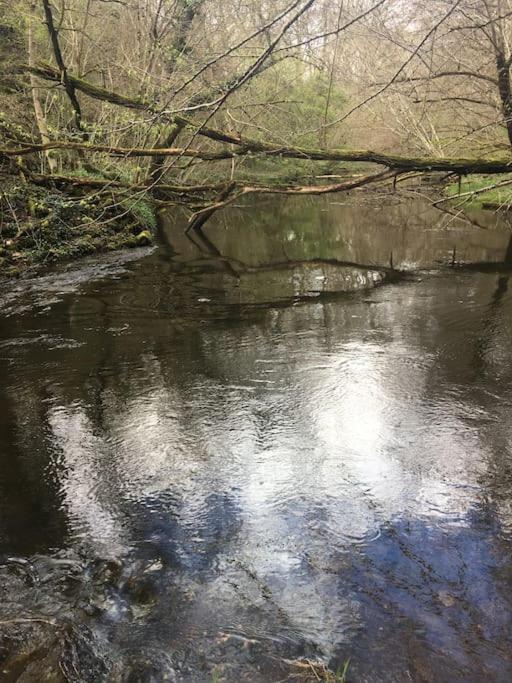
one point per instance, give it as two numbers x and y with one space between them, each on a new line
240 450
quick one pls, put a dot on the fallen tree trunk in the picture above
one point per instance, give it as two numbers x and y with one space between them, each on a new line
460 166
238 146
63 181
252 146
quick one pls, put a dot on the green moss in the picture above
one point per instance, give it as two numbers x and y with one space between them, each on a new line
41 226
144 238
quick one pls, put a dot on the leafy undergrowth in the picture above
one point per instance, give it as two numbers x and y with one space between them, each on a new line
497 197
40 226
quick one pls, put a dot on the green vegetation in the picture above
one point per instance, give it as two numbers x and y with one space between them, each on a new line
42 226
278 98
497 197
301 104
143 212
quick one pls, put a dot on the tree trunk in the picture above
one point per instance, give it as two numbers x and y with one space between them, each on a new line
38 109
498 43
504 89
57 53
157 169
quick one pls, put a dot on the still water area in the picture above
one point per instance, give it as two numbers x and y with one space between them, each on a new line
288 438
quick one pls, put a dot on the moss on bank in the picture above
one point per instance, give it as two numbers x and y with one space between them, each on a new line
40 226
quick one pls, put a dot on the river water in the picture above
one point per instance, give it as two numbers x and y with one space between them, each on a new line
261 445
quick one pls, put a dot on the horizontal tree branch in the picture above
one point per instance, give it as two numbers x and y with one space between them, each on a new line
235 190
469 100
47 72
448 74
50 73
248 147
62 181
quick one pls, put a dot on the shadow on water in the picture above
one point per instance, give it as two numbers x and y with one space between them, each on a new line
210 468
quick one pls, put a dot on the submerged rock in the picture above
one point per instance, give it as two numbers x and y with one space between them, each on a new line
144 238
36 649
150 668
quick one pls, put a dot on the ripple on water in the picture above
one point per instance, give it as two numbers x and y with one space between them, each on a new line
247 486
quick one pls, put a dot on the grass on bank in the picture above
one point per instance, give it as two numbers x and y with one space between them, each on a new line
495 198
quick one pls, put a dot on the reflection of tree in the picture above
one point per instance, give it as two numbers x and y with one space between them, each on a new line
465 323
492 320
491 360
358 232
308 471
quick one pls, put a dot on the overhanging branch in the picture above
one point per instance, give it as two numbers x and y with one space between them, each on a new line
248 147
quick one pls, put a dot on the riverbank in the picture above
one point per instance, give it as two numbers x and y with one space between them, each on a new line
41 226
482 192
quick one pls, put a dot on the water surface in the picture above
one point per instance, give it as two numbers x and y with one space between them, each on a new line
262 445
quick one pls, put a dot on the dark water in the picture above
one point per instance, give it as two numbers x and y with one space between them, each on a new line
221 458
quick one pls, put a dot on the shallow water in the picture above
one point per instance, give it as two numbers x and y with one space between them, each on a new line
221 458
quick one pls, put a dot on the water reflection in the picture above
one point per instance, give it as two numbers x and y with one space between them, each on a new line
329 479
374 232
